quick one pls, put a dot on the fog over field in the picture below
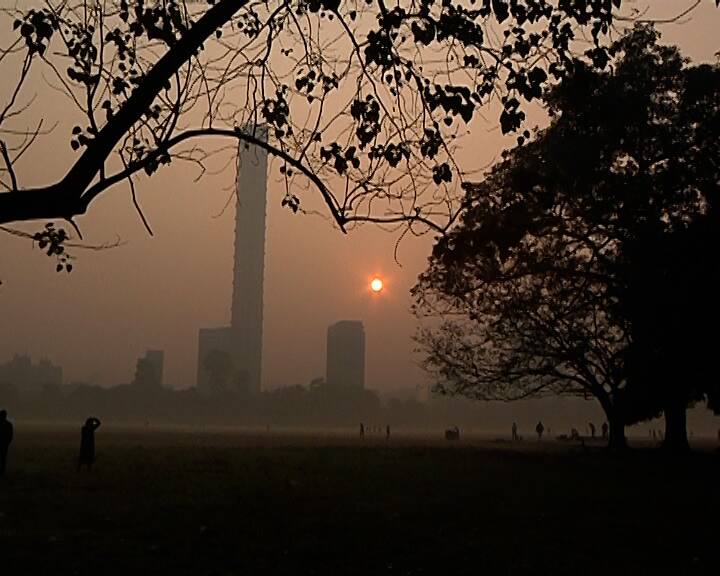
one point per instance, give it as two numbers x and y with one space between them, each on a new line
359 287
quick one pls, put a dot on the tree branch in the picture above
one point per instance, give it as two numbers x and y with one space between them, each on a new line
85 169
47 203
8 163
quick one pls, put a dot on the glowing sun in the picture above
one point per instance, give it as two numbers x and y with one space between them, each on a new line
376 285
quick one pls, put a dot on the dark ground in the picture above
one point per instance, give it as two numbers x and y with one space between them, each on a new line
229 503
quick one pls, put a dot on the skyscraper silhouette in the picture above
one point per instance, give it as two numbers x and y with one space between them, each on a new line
346 354
231 357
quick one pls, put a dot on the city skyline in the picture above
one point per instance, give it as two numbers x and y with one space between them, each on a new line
156 291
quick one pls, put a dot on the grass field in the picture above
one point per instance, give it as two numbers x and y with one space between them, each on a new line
221 503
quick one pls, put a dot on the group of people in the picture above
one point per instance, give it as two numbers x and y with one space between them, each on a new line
539 430
86 457
375 429
574 434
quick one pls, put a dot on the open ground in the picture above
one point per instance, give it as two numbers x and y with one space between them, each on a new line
212 502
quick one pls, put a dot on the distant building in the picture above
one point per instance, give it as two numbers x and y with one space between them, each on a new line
149 369
220 367
345 364
25 376
230 357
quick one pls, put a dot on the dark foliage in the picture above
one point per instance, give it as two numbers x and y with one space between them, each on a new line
585 249
362 99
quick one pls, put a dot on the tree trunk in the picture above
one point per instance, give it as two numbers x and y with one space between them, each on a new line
617 441
676 439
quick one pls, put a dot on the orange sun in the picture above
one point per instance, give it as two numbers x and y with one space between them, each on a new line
376 285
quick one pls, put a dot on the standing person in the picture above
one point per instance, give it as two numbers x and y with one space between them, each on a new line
362 430
592 429
387 432
539 429
605 430
514 431
87 443
6 436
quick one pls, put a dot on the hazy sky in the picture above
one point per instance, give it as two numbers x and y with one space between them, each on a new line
155 292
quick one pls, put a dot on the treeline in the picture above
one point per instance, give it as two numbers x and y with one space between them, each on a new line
315 406
295 406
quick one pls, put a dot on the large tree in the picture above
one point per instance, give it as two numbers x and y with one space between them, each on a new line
545 272
364 100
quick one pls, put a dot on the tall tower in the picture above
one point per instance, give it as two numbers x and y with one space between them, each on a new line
230 358
247 297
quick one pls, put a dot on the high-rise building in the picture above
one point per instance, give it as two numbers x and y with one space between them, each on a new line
149 369
231 357
345 365
22 373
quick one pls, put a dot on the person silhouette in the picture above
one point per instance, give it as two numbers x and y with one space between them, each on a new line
362 430
87 443
592 429
605 429
539 429
514 431
387 432
6 436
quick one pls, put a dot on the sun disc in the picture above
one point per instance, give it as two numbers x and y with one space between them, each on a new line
376 285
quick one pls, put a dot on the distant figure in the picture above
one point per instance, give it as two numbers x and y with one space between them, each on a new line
387 432
87 443
452 434
592 429
574 434
514 432
539 429
362 430
6 436
605 430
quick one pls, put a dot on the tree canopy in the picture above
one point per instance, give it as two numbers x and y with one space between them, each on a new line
539 283
364 101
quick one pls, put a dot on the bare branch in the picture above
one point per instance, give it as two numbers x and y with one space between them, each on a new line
8 163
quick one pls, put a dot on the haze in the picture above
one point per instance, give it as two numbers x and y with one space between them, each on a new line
156 292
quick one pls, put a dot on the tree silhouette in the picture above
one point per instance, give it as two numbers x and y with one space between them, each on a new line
364 101
673 307
544 273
